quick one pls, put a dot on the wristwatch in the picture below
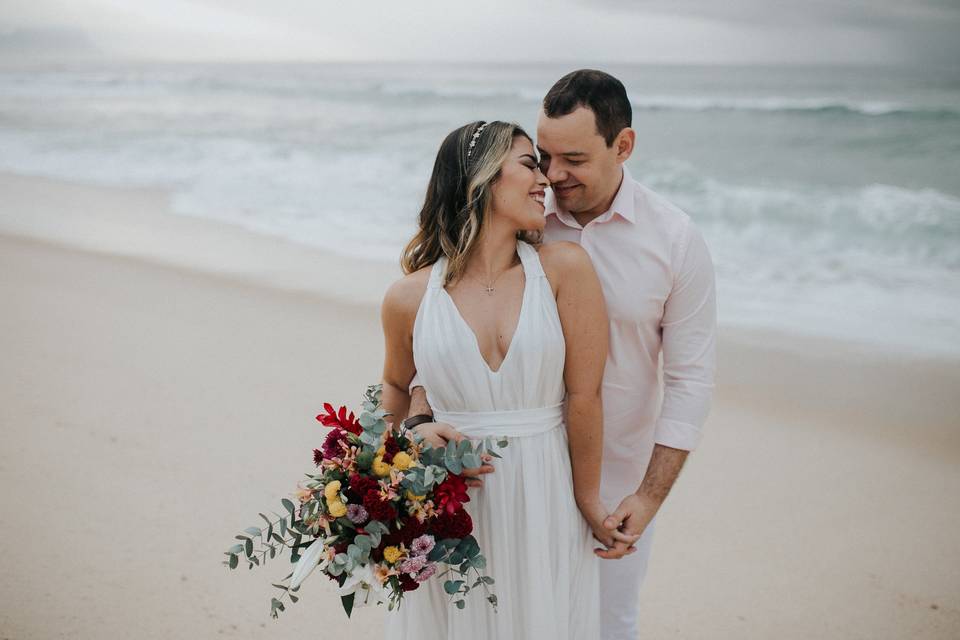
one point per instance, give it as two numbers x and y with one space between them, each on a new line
413 421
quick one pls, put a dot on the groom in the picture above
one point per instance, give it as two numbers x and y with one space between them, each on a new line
658 283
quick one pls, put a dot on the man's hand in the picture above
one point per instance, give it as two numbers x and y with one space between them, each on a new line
438 434
637 509
630 520
596 516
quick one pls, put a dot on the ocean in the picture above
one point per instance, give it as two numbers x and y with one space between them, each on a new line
829 197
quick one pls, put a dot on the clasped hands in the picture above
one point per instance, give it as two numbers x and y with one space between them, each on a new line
617 531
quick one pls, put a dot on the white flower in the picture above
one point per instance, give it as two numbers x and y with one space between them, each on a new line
307 563
367 588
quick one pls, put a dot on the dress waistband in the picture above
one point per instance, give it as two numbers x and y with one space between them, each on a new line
517 423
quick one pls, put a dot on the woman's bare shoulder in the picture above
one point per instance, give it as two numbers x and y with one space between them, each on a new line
562 257
403 296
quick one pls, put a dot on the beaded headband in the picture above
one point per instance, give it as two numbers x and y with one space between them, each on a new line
476 136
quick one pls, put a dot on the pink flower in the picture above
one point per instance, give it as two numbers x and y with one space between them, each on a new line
422 545
427 572
413 564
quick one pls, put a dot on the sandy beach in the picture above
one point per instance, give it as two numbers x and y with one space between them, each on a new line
159 380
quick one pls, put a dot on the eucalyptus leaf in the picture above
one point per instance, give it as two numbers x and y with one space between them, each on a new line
248 547
347 602
234 561
452 586
460 604
288 505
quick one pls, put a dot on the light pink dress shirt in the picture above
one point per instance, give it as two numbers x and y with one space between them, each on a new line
658 283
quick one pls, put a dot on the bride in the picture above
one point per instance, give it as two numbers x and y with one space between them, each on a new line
508 338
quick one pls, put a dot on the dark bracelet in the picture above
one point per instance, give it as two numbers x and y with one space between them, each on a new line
413 421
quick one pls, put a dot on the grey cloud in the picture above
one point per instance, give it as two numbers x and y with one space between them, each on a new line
855 13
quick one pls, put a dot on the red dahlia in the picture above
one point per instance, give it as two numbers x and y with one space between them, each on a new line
451 494
455 525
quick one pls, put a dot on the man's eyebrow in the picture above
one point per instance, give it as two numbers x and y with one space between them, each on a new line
567 154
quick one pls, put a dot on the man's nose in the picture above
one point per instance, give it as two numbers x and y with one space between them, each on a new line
554 174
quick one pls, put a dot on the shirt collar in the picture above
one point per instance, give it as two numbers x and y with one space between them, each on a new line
622 205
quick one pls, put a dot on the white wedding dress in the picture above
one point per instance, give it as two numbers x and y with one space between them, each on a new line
539 549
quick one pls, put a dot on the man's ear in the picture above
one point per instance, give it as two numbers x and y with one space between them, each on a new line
624 143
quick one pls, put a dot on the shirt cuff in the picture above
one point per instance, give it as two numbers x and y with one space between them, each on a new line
414 383
677 435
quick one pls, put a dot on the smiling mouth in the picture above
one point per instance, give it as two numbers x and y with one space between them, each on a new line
561 191
538 196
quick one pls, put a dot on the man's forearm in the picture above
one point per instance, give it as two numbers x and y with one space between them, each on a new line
662 472
418 403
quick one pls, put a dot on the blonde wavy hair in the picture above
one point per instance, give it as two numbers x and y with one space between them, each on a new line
459 197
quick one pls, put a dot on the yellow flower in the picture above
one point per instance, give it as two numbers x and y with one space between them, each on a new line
331 491
382 450
337 509
402 461
391 554
380 468
412 497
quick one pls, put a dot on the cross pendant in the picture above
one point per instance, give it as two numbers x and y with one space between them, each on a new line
489 291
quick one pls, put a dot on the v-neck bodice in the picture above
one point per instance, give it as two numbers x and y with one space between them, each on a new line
454 372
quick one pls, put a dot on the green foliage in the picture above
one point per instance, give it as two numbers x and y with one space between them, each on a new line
290 531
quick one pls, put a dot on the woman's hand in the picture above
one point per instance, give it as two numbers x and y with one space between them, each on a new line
438 434
617 544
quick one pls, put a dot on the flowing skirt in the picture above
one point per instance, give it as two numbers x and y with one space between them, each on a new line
539 552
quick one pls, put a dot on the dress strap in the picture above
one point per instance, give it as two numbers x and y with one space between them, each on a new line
437 272
530 259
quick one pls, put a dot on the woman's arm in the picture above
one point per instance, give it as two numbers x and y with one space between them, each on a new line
397 315
583 316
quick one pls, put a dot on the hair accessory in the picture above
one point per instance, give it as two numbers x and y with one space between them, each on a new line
476 136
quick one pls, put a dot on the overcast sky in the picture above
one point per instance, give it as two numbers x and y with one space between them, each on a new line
658 31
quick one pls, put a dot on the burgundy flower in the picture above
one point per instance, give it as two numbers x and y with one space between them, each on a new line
412 529
451 494
340 419
456 525
361 485
331 446
391 448
317 457
407 583
377 508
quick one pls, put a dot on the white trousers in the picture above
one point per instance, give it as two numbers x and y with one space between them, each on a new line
620 582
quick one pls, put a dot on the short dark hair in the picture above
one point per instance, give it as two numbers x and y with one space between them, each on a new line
598 91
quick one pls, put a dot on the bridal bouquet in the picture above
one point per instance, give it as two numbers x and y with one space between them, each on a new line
382 514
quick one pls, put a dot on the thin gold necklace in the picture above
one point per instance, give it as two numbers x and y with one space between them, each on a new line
489 288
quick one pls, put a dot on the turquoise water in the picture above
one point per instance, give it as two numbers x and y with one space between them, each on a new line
830 197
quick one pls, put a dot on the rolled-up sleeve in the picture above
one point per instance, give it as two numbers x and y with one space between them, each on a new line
689 346
415 382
